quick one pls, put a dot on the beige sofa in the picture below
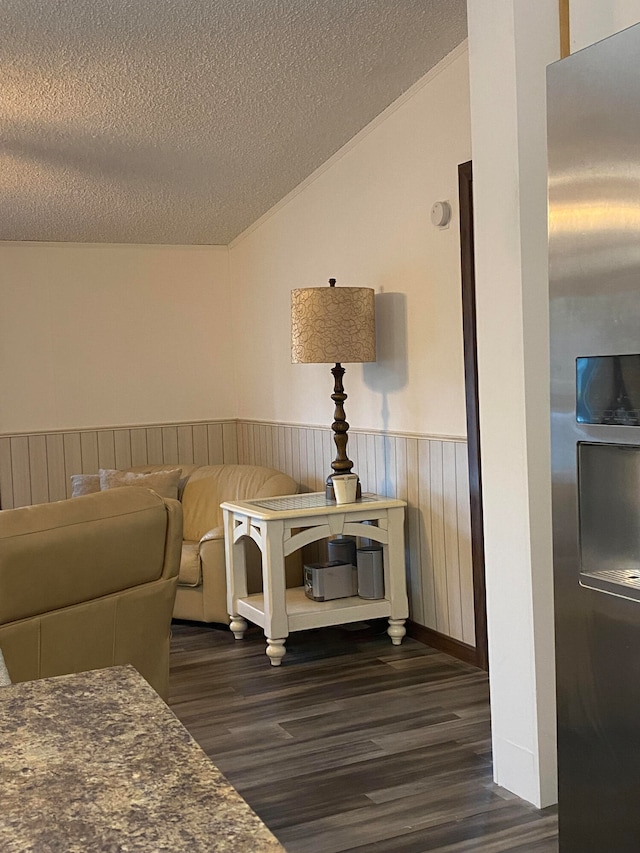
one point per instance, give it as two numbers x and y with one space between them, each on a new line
202 586
89 583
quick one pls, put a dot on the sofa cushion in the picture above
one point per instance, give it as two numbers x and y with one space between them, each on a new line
190 565
96 545
164 483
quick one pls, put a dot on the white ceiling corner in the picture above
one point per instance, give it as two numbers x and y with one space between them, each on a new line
184 121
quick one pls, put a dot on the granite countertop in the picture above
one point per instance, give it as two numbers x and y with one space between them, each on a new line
97 762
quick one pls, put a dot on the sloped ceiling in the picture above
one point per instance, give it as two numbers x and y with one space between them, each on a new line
183 121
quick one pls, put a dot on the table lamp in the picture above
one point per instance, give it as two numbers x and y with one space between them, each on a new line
334 325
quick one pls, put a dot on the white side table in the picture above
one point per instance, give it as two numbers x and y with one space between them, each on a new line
281 526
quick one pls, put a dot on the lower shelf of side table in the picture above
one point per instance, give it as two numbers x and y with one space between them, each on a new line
303 613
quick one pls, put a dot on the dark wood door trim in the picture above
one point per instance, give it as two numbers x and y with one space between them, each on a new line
465 192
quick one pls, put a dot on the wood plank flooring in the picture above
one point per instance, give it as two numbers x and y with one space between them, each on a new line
353 744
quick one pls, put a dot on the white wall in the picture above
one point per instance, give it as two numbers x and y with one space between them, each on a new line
591 22
103 335
75 318
364 219
510 44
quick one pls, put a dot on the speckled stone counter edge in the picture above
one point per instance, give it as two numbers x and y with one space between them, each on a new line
97 762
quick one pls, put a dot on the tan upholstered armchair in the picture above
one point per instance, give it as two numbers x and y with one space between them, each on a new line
202 587
89 583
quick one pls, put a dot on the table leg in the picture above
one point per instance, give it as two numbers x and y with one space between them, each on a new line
276 650
276 626
238 625
236 575
395 576
396 630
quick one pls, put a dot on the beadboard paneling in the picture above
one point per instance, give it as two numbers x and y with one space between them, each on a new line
37 468
431 475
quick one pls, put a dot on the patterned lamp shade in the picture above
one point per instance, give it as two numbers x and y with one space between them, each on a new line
333 325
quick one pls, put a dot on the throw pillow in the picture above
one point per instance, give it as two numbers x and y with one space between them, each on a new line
84 484
165 483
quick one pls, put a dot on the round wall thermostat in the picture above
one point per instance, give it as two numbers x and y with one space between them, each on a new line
441 213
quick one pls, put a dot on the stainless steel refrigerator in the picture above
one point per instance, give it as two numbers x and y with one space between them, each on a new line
594 263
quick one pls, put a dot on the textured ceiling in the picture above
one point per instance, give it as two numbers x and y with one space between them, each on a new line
183 121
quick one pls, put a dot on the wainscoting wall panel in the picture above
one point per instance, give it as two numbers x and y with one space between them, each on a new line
37 468
430 474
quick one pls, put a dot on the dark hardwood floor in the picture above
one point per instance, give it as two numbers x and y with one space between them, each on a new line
353 744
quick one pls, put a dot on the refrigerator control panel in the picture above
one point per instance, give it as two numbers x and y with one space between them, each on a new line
608 390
